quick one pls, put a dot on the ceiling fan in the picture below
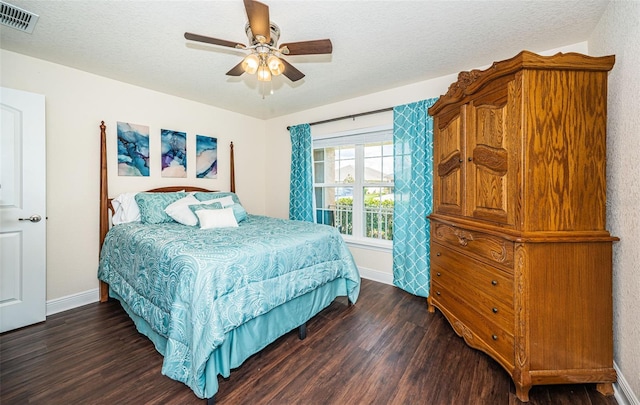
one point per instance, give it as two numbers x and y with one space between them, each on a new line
265 57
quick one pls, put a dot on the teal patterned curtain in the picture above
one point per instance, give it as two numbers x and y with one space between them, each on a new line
301 191
413 170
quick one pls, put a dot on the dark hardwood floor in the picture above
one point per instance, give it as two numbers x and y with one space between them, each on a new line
386 349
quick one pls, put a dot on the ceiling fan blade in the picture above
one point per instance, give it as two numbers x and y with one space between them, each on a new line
237 70
258 14
291 72
214 41
319 46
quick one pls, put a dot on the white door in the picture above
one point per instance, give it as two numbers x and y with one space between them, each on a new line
22 209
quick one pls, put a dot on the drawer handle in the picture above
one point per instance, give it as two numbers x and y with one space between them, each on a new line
437 292
495 310
438 274
494 337
494 282
438 254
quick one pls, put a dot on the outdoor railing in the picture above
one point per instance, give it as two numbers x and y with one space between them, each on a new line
378 220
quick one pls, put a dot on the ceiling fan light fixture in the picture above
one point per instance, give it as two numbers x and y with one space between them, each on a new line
251 63
264 75
276 67
266 58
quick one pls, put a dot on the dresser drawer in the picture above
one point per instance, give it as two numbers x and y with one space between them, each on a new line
491 248
488 306
494 283
478 331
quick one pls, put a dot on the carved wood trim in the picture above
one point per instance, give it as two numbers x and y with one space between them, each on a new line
496 248
521 375
494 159
449 164
471 81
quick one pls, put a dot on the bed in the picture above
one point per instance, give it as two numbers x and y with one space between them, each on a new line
211 295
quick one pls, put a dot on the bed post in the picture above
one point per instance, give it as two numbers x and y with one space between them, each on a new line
104 195
233 170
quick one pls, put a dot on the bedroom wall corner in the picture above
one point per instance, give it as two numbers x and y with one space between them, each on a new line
618 33
76 102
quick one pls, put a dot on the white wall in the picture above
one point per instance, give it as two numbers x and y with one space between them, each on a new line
76 102
618 33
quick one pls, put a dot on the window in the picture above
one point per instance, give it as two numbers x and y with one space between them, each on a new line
353 183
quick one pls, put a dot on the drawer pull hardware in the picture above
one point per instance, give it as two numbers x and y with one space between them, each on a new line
438 254
438 274
495 310
494 337
494 282
437 292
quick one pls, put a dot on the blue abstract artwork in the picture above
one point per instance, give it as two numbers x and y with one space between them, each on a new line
174 153
133 149
206 157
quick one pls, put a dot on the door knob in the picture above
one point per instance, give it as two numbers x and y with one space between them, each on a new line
32 218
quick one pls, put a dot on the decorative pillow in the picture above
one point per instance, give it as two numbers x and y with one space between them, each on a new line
205 206
220 218
125 209
180 211
238 210
217 195
226 201
152 206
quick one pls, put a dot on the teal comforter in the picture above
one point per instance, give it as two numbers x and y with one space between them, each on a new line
193 286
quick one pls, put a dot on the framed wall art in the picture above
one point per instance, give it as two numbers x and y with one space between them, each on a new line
174 153
133 149
206 157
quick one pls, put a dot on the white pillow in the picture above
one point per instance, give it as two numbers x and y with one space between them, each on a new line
223 218
226 201
180 211
125 209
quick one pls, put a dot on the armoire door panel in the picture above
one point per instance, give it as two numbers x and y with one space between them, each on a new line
449 176
488 162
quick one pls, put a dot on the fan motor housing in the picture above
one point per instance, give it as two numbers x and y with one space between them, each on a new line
275 34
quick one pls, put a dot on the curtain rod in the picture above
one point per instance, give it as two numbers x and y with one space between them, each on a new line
349 116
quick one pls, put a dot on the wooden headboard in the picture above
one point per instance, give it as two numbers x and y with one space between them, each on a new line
105 201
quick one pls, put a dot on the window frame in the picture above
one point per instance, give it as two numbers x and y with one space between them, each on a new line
357 137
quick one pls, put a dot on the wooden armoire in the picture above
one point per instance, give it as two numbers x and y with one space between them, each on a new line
521 261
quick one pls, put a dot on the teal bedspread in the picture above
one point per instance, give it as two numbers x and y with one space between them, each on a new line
192 286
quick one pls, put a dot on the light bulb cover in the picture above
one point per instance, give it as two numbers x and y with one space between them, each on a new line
251 63
276 67
264 75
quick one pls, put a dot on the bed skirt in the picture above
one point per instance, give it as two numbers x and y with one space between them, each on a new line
254 335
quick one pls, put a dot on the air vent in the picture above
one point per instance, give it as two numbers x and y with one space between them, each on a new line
17 18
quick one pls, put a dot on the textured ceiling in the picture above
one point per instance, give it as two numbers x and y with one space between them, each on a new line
377 45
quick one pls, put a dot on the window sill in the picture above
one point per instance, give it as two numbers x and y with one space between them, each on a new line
368 243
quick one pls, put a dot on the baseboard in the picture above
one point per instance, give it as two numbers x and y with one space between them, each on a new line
622 390
72 301
376 275
87 297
